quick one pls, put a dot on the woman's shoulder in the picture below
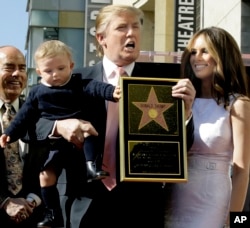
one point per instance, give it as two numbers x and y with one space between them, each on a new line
238 98
240 103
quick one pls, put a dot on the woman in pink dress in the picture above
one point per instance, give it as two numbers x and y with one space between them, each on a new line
218 161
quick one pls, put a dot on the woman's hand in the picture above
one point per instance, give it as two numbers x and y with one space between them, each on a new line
184 89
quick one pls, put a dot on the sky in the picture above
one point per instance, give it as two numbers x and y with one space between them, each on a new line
13 23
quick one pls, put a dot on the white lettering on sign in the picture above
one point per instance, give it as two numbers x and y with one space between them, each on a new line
92 8
185 23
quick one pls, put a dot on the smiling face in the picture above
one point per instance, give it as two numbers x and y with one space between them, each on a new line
13 77
202 62
121 39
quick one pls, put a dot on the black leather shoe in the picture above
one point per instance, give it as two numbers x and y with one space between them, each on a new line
93 174
52 219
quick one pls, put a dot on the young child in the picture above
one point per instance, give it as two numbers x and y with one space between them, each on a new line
60 95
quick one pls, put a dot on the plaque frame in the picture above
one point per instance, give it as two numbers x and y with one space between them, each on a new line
152 131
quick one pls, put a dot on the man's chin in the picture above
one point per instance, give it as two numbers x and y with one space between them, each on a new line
131 57
14 92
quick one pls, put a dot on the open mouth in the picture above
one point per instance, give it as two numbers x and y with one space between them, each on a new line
130 45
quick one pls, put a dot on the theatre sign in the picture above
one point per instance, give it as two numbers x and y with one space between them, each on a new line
185 22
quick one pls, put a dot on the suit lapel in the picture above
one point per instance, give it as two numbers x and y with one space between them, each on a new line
137 71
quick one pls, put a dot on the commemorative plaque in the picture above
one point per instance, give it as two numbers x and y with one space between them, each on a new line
152 131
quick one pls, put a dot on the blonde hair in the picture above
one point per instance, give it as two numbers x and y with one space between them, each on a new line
52 48
107 14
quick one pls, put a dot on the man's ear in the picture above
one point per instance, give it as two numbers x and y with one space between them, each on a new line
100 38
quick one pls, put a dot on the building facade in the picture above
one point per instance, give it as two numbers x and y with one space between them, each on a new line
168 26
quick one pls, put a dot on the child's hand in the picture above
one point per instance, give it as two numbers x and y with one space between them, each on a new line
86 134
3 140
117 93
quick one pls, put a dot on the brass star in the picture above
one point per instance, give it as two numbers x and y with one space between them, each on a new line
152 110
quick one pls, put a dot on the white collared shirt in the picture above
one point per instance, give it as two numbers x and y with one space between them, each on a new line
109 68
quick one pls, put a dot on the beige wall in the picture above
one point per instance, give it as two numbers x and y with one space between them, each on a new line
148 38
226 14
164 26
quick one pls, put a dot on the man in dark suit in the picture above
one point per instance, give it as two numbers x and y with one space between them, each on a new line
17 208
127 204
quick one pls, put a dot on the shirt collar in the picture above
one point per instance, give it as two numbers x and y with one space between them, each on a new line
15 104
109 67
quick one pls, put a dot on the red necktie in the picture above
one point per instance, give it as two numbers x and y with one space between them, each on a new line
109 158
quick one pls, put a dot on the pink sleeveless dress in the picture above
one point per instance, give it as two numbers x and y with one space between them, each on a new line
203 202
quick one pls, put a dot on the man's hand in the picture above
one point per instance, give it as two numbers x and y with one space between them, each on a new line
18 209
74 130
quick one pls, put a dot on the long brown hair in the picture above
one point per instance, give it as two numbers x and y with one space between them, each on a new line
230 75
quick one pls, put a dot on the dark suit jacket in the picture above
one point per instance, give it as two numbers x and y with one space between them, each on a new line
143 211
30 180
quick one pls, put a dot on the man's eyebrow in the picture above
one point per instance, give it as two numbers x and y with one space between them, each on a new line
12 64
22 65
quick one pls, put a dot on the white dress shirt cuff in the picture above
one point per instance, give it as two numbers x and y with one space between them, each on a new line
51 135
189 118
31 197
